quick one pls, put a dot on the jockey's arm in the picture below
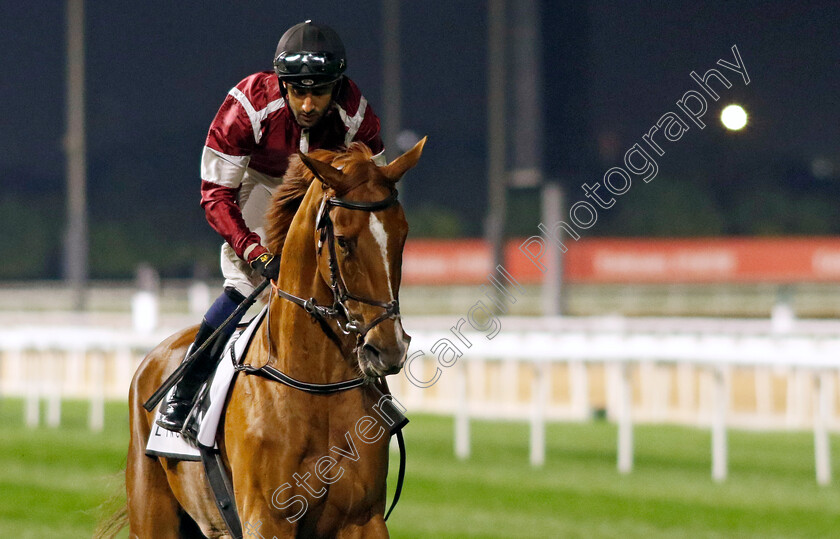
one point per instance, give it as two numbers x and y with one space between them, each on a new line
225 216
223 163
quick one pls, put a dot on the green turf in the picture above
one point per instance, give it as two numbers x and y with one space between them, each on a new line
52 480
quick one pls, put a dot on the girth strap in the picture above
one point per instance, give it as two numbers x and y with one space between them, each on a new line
222 489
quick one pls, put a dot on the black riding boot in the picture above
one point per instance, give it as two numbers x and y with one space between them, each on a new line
178 406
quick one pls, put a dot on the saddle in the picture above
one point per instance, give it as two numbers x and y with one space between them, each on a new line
203 421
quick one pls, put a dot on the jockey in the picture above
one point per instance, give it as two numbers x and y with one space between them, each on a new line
305 103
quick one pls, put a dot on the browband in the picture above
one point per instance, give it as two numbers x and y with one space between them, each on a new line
365 206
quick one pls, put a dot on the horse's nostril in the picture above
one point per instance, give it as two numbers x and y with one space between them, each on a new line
371 352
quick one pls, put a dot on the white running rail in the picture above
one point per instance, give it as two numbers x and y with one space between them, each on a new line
713 373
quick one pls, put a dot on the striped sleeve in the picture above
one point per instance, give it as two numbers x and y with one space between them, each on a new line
237 129
233 135
368 129
225 216
223 169
360 122
232 132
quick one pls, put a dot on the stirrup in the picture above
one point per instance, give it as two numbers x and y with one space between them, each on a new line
192 423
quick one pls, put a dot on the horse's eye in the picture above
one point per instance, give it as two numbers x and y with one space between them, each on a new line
342 242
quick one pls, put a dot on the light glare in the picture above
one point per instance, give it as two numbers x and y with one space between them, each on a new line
733 117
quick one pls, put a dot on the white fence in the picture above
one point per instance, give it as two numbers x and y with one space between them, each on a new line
56 362
713 373
719 373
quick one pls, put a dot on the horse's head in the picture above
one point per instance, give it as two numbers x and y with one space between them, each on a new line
360 234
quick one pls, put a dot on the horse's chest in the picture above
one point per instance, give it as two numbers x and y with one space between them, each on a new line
303 471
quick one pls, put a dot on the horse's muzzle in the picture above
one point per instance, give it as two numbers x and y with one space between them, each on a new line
380 356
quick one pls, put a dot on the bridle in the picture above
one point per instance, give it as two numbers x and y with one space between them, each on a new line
322 314
341 294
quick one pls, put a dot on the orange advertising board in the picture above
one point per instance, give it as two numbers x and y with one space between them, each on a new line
603 260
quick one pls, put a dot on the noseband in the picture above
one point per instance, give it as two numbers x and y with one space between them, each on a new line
341 294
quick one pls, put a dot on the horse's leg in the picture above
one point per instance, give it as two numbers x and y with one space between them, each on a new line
256 524
375 528
153 510
259 468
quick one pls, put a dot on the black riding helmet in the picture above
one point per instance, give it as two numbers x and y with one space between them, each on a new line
309 55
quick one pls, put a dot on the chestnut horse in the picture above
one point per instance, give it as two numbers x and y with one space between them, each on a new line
275 436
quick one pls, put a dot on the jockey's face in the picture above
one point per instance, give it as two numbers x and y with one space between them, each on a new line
309 105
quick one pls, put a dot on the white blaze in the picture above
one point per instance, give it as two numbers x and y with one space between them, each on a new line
381 237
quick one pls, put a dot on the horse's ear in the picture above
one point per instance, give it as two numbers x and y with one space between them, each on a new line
396 168
328 175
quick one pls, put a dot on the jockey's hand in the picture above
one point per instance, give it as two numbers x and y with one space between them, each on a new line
267 265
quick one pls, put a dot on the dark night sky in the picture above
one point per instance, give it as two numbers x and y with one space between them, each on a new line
157 72
643 57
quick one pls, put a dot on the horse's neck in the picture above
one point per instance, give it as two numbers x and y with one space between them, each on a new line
299 345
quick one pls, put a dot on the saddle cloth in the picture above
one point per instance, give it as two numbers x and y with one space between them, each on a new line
208 411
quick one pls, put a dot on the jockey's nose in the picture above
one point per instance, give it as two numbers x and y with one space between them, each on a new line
308 105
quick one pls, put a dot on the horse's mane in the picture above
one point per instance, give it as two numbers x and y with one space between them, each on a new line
296 182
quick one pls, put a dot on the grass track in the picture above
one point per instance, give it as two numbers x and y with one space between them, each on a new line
52 480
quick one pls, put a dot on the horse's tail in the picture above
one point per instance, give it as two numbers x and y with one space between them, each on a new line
113 520
110 526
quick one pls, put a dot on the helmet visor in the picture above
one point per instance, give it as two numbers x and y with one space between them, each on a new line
293 63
